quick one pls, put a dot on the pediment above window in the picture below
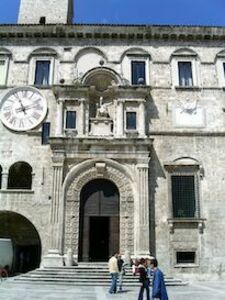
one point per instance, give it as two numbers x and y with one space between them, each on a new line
181 163
44 52
184 52
221 54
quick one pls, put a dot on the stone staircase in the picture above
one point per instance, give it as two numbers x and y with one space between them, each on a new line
85 274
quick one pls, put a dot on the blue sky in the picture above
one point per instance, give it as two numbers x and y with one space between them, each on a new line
183 12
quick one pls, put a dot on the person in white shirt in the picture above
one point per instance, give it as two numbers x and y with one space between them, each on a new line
114 272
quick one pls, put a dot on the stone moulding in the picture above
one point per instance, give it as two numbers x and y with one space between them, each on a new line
110 31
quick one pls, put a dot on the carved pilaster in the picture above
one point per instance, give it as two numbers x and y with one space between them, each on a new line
142 130
119 118
142 212
56 217
82 116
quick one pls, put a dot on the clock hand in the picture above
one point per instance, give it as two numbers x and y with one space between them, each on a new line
22 107
26 107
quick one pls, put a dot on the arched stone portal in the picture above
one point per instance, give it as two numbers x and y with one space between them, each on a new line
21 238
77 178
99 220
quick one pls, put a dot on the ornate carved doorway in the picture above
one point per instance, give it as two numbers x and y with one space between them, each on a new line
99 220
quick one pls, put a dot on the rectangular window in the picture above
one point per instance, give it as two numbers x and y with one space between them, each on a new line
70 119
42 72
185 73
183 196
45 133
3 71
185 257
138 72
131 120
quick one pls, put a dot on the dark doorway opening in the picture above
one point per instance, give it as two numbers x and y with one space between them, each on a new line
99 220
99 238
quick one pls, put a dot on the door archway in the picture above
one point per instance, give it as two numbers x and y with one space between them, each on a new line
20 245
99 220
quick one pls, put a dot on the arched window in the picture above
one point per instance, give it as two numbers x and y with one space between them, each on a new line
0 177
20 176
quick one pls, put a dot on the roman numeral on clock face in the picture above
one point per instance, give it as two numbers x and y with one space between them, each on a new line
21 124
35 115
12 120
7 107
24 94
7 115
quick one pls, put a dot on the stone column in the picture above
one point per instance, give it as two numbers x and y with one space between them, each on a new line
120 118
142 212
5 180
141 121
82 117
59 124
55 254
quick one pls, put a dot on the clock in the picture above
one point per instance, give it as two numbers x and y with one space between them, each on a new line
23 109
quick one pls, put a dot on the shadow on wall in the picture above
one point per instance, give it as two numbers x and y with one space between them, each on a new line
156 171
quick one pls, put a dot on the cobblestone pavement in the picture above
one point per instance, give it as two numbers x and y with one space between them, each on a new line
193 291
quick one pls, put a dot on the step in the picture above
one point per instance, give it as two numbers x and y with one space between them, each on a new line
91 275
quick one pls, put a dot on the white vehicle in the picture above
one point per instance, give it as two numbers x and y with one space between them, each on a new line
6 253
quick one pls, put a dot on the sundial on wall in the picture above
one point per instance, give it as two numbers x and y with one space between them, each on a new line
188 114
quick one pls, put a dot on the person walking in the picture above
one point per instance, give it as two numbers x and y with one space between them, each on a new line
144 280
121 267
158 285
114 272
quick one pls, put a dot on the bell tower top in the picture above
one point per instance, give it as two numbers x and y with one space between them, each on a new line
45 12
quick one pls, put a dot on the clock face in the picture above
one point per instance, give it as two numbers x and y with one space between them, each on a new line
23 109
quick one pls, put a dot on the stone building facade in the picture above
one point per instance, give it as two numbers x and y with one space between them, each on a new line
111 138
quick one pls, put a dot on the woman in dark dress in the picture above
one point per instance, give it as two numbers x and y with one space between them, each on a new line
144 279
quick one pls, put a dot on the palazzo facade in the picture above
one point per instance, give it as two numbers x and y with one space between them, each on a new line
111 139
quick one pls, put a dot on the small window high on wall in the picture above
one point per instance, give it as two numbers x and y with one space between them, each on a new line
42 72
70 119
20 176
131 120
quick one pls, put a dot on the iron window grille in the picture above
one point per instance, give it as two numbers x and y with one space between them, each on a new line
185 194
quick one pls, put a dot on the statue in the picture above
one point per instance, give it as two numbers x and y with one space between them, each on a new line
102 110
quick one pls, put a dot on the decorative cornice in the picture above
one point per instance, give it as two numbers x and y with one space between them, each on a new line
188 133
112 32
